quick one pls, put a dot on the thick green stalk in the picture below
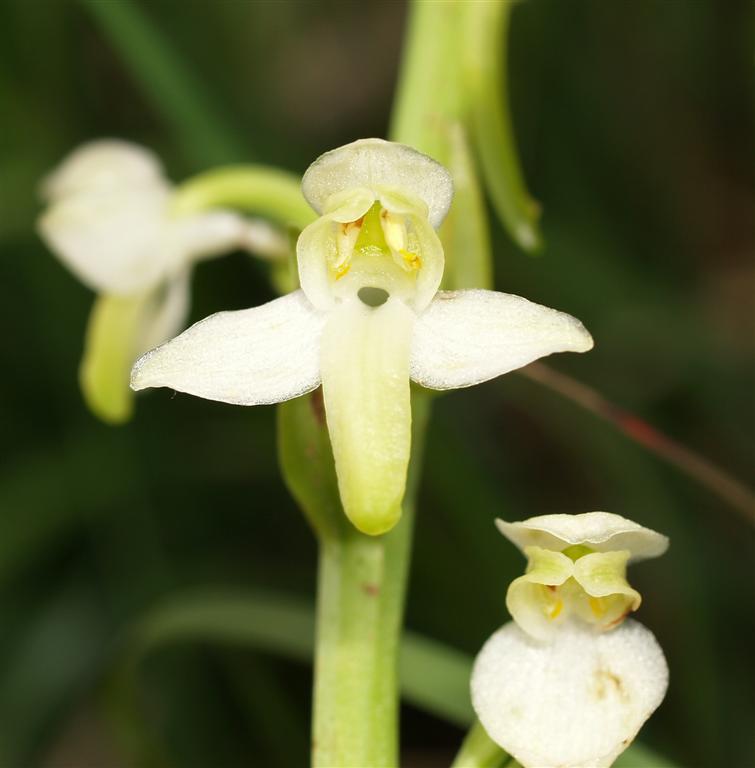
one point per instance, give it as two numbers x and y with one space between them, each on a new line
428 96
361 591
362 580
260 189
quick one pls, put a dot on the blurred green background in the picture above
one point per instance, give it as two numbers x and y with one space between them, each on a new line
635 127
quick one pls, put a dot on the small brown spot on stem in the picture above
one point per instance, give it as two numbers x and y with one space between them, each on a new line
373 590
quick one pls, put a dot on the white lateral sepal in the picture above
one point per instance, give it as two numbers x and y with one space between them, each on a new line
467 337
256 356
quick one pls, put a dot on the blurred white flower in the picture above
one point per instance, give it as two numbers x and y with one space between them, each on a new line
569 683
368 318
109 220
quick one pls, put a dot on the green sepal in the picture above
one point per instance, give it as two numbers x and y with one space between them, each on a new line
306 460
115 323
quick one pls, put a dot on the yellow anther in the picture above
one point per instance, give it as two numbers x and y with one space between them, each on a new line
342 270
556 610
411 260
346 239
394 231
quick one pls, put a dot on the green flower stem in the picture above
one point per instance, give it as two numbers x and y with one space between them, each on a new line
428 98
479 751
268 192
361 591
431 115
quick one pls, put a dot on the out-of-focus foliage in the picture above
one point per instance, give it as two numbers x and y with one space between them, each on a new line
635 130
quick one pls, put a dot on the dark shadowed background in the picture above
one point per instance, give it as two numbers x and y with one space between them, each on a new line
634 122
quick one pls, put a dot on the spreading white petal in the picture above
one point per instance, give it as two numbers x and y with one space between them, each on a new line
267 354
109 163
265 240
205 235
365 379
576 702
374 163
111 239
166 313
467 337
601 531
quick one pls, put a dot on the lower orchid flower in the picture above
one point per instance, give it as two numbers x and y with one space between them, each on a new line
368 319
569 682
110 220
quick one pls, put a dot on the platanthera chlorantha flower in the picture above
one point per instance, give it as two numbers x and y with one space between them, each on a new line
109 218
569 682
368 318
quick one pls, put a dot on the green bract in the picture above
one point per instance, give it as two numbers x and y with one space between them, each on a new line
368 318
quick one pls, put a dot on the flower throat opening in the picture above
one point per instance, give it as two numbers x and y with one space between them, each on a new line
373 297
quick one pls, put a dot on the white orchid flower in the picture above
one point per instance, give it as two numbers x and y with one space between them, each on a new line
109 219
569 683
368 318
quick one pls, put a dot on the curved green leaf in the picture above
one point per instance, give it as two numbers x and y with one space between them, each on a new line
485 32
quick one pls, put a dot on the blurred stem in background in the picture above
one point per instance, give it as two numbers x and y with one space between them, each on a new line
176 93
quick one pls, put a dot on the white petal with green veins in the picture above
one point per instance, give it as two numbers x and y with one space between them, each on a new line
251 357
365 378
467 337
